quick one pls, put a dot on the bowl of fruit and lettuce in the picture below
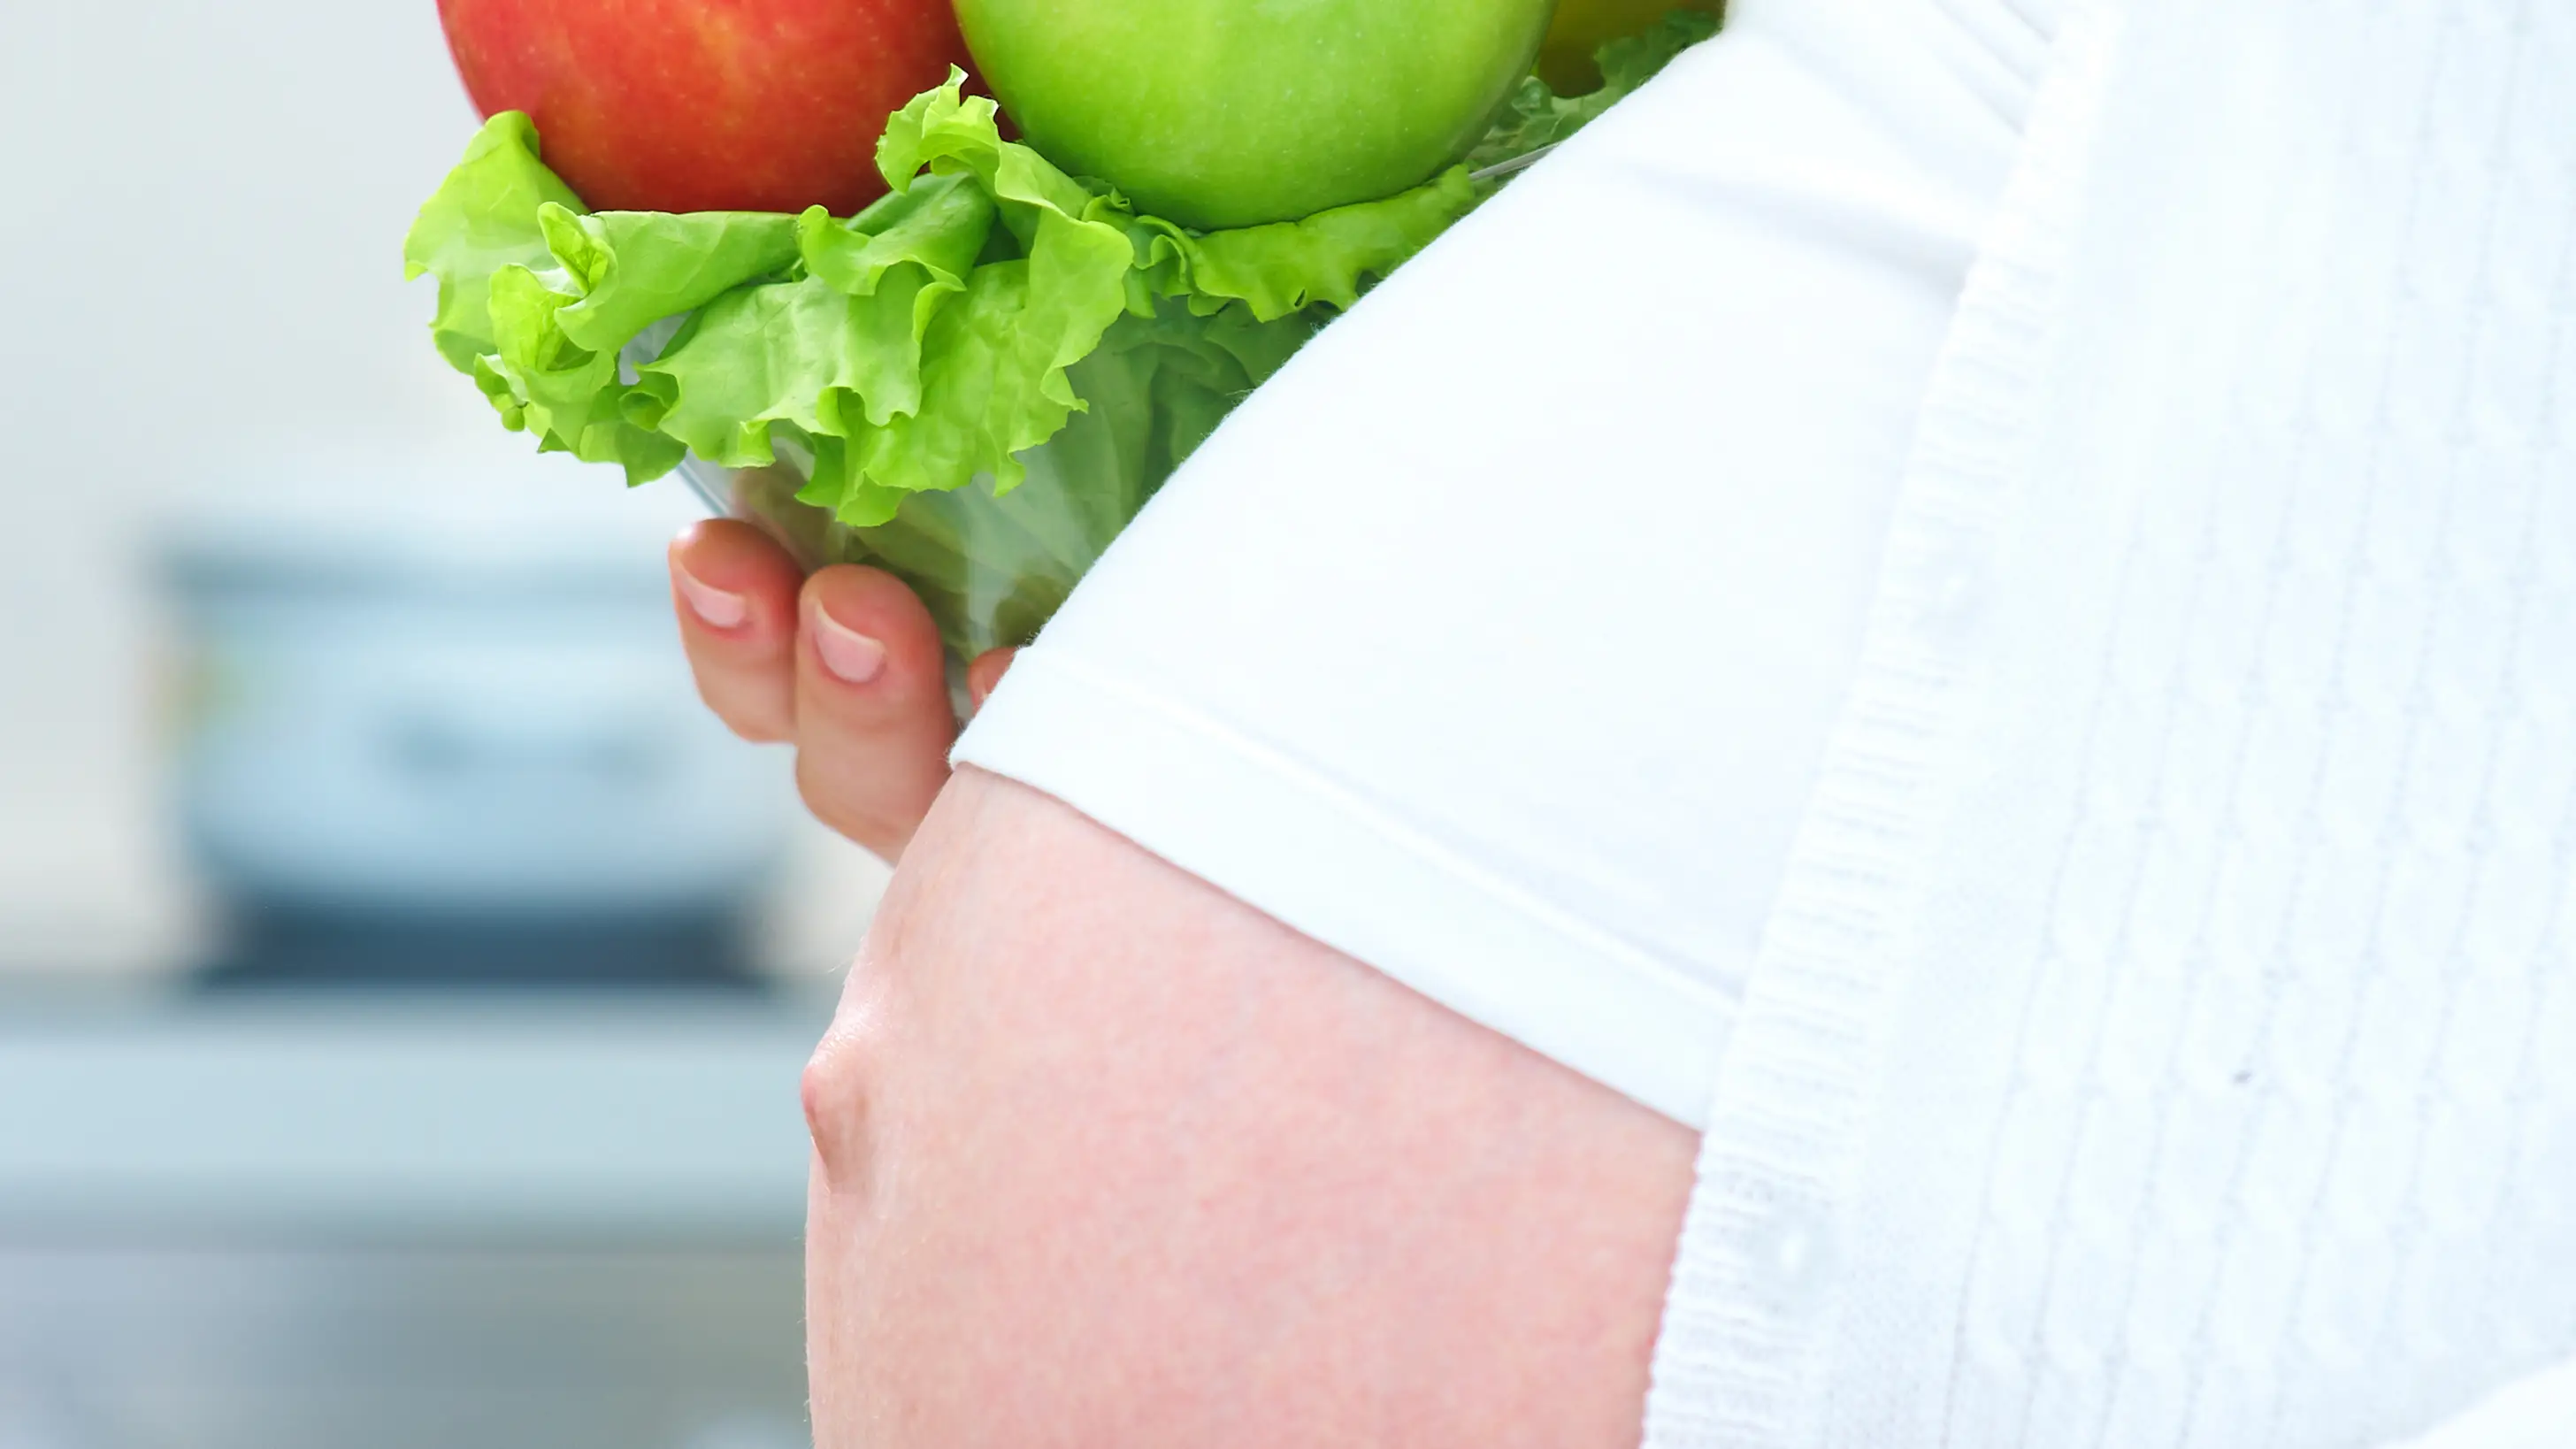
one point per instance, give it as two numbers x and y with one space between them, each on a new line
971 358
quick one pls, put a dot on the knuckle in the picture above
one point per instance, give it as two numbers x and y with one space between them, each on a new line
739 705
835 795
751 731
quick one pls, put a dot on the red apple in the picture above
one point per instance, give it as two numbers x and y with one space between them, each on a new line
706 105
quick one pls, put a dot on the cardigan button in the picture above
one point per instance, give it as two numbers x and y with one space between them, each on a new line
1795 1258
1954 597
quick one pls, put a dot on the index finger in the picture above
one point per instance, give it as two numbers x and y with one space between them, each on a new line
734 590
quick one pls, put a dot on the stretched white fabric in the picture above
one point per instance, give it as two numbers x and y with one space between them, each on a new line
2166 1033
1497 640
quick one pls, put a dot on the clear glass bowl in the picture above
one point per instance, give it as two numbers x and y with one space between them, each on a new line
991 569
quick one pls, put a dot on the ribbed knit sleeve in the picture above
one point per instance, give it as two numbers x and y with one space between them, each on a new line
2166 1034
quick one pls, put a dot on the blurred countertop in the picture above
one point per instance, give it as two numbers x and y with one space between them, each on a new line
371 1117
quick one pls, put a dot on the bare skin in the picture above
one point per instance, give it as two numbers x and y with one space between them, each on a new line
1105 1158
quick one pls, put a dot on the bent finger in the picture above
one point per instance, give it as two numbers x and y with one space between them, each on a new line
734 591
873 718
986 672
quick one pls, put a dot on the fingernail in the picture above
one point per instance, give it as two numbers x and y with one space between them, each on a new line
849 654
721 610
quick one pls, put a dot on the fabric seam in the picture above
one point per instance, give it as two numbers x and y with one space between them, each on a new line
1354 805
1745 1334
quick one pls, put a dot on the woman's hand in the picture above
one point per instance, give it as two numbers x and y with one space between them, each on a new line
846 666
1105 1156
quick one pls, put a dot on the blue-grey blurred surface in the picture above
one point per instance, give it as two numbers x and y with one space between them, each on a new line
454 717
416 744
281 1348
289 1219
212 349
316 681
406 1118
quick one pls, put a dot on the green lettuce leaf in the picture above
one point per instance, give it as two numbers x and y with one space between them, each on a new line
976 381
627 270
482 219
1537 117
1323 260
929 342
537 296
1157 385
559 327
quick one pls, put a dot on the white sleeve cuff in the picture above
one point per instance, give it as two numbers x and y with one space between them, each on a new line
1331 864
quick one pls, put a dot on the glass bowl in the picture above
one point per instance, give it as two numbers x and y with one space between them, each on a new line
992 568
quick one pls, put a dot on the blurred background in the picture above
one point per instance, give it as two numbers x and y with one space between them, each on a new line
402 983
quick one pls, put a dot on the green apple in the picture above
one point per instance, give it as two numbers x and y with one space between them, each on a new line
1226 113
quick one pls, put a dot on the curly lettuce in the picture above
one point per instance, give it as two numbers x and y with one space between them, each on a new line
1537 117
916 347
992 327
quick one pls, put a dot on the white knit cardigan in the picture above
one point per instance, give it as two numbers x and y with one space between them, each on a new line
2166 1035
